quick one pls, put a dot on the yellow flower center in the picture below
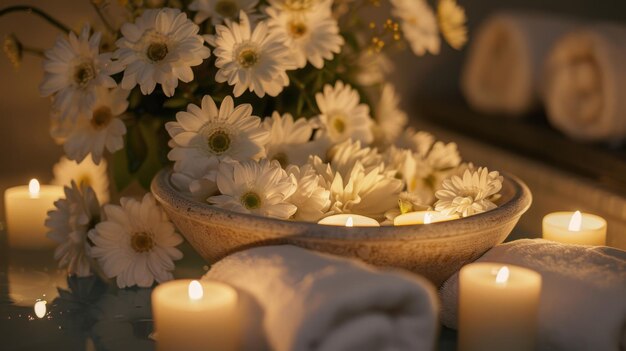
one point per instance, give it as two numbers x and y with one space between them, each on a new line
338 123
84 179
297 29
219 141
251 200
227 8
84 73
157 51
101 118
248 58
142 242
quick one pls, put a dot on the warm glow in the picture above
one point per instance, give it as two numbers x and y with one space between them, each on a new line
428 218
576 223
33 187
40 308
195 290
503 275
350 222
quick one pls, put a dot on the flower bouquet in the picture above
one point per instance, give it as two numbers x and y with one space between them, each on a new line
274 108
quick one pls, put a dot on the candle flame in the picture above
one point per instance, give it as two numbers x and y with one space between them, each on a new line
40 308
503 275
350 222
428 218
576 223
195 290
33 187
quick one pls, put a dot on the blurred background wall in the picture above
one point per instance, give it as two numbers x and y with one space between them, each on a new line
27 151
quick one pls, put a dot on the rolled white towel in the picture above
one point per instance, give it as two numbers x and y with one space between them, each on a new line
585 83
583 295
504 64
313 301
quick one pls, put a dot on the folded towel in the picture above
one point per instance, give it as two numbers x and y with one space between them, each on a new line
314 301
503 67
583 295
585 83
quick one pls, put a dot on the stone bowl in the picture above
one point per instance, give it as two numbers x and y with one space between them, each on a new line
435 251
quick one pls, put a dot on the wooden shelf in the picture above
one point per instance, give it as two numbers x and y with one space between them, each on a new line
533 137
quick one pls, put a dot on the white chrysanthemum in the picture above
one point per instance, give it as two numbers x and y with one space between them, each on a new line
101 129
255 60
312 35
74 216
136 243
419 25
288 139
345 155
368 193
401 162
160 47
74 69
342 115
452 22
260 188
84 173
473 193
418 142
203 136
372 67
390 119
311 198
220 10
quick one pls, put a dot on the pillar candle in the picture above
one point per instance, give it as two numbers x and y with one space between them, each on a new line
26 209
575 228
195 315
498 307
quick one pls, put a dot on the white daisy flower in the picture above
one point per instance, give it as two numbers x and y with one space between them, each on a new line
160 47
101 129
372 67
452 22
84 173
311 198
74 69
203 136
419 25
312 35
471 194
71 220
288 139
261 188
401 162
251 59
136 243
368 193
390 119
342 115
220 10
298 5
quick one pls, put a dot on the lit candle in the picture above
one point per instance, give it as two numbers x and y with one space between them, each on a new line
422 217
26 209
349 220
192 315
40 308
575 228
498 307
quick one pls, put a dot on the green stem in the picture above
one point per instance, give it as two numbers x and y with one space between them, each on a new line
36 11
106 23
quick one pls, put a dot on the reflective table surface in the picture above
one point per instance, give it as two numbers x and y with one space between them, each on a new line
83 314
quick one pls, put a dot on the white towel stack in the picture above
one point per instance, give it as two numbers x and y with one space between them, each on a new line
585 83
583 296
503 70
312 301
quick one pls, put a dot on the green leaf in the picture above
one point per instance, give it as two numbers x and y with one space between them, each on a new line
150 128
175 103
